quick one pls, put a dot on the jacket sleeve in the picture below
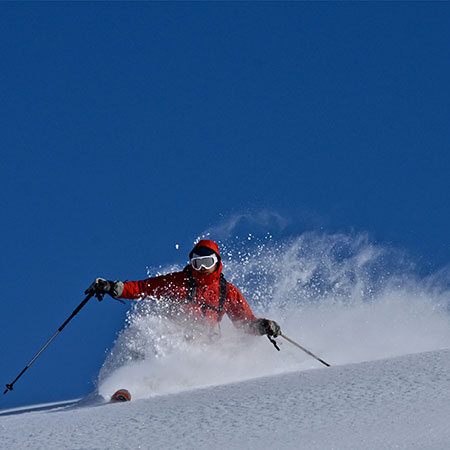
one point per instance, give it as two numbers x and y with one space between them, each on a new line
239 311
150 287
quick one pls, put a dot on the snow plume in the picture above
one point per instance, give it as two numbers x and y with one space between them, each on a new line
263 219
342 297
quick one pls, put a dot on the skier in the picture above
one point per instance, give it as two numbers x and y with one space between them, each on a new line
199 293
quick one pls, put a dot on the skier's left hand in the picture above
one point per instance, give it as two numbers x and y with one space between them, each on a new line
269 327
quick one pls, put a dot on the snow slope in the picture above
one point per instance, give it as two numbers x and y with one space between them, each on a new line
384 329
398 403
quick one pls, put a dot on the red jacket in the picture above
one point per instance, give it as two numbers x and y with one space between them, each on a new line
174 287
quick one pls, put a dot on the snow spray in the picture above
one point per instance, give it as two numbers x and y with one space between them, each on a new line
344 297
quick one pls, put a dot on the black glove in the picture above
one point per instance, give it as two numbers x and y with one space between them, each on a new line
269 327
102 286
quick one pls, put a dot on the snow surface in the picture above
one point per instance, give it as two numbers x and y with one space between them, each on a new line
398 403
384 329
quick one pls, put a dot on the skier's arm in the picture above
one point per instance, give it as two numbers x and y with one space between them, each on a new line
134 290
239 311
242 316
150 287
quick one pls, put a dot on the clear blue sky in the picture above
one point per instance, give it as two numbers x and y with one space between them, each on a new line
127 127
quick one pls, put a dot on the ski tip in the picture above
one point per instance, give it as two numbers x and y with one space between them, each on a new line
122 395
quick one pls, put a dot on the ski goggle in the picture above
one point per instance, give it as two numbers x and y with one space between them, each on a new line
197 262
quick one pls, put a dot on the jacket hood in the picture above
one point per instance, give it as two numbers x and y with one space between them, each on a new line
208 244
207 278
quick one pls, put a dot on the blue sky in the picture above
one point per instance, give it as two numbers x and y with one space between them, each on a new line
129 127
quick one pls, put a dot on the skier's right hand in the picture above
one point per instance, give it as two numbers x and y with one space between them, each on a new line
102 286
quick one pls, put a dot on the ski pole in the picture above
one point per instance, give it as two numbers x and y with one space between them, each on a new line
304 349
9 387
